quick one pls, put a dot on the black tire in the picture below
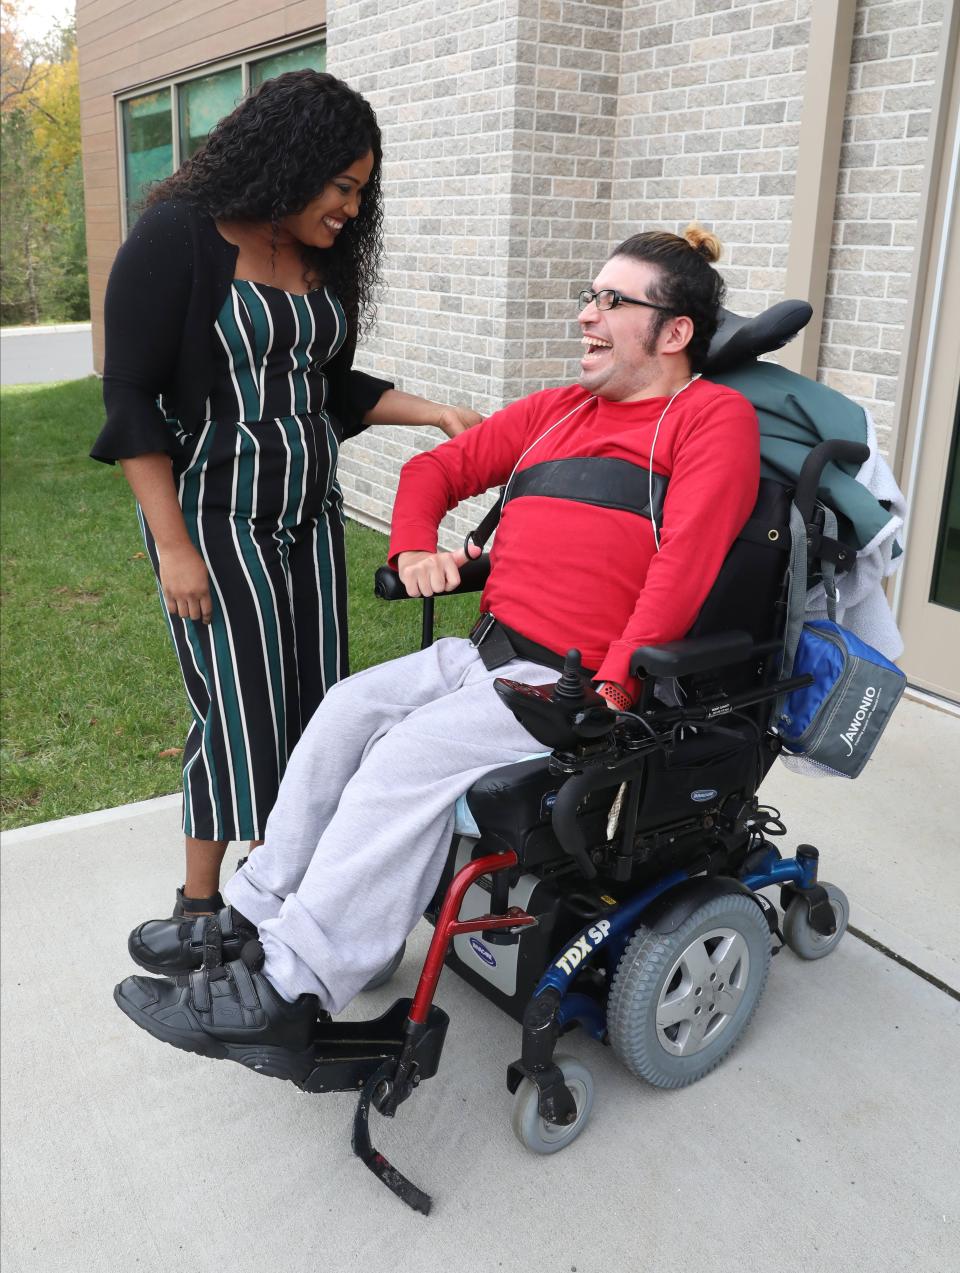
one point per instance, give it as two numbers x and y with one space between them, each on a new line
803 939
704 980
386 972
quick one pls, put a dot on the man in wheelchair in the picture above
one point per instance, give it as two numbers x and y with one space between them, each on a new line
622 495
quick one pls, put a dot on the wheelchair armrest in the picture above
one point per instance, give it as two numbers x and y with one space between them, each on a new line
693 654
473 578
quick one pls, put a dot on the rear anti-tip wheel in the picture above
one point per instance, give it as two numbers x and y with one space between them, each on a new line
533 1131
679 1001
386 972
802 938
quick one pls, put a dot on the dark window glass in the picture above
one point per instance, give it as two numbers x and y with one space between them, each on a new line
147 145
202 103
945 587
311 56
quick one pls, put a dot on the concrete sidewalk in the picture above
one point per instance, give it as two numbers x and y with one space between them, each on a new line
827 1139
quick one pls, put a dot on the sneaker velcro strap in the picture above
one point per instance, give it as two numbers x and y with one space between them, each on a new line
206 936
200 990
212 945
245 987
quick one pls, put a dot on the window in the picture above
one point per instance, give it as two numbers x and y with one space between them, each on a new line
945 588
147 143
200 103
152 147
312 56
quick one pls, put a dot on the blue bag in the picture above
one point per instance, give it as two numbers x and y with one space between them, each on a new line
837 721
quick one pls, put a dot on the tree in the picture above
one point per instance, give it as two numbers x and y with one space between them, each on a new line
42 233
21 65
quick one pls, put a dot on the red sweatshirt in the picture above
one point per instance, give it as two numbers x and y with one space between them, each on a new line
568 574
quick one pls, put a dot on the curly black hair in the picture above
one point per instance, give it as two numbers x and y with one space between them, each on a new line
275 153
687 283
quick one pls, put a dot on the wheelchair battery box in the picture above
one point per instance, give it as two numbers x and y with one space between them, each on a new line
837 721
507 972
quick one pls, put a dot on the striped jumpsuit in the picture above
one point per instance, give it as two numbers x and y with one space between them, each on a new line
257 485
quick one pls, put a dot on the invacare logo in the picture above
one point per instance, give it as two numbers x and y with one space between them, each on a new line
861 718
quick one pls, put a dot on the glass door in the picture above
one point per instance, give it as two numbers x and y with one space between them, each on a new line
929 591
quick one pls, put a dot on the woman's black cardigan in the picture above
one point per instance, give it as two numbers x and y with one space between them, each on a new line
166 289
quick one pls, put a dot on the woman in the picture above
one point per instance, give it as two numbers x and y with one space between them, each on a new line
232 315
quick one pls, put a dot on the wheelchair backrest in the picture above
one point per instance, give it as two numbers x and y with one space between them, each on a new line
747 590
749 593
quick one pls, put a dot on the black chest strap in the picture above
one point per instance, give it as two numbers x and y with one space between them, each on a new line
601 481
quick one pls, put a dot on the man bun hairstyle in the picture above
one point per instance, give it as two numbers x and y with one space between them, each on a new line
703 241
686 284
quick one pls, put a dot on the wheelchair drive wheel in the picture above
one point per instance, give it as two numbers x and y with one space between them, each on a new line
802 938
679 1001
533 1131
386 972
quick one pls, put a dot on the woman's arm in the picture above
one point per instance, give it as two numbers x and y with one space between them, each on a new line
145 309
183 574
396 407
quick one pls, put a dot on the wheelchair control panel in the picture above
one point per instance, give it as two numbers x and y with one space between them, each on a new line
560 715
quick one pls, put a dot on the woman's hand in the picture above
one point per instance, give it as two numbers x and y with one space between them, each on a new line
185 582
396 407
183 575
455 420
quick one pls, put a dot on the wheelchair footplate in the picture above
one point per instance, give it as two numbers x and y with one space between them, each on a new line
385 1058
388 1057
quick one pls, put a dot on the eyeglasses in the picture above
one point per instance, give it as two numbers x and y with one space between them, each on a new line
610 298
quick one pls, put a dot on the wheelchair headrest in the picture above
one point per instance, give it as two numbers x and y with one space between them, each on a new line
740 339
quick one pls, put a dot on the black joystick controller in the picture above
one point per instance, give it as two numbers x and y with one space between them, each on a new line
569 688
562 715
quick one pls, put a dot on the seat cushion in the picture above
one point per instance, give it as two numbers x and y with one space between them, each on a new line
464 821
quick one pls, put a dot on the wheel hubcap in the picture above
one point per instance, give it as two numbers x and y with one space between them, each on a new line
560 1131
824 939
701 991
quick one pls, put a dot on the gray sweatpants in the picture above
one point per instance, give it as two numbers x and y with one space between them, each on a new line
359 834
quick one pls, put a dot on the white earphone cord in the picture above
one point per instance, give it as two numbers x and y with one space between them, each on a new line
653 444
540 439
656 434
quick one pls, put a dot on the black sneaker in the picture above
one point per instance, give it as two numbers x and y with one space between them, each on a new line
177 946
230 1013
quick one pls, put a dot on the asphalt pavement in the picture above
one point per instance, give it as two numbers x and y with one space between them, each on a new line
42 354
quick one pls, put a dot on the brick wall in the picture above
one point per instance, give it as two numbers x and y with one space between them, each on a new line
443 83
568 73
581 123
499 124
524 138
882 168
707 127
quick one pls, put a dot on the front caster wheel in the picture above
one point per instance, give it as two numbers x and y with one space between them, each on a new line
534 1132
802 938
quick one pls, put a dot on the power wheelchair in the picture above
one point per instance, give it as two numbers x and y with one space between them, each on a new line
614 882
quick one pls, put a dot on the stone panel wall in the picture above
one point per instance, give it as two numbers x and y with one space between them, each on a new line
710 100
568 57
524 138
499 121
887 121
442 80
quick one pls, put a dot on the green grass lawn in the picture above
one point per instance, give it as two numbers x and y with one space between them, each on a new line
91 691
